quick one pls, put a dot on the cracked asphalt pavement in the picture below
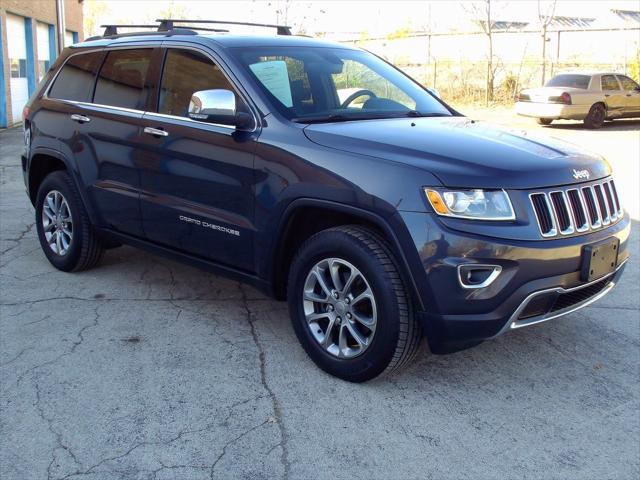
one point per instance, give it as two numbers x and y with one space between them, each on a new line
144 368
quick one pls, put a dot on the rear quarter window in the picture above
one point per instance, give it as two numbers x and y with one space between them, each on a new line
77 77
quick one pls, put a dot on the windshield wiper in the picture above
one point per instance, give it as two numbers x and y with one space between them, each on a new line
323 119
416 113
337 117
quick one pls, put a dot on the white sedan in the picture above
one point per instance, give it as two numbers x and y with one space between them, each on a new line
590 97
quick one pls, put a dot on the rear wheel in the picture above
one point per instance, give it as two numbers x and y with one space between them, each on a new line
544 121
596 116
64 230
349 305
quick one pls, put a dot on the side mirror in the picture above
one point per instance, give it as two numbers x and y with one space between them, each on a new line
218 106
434 92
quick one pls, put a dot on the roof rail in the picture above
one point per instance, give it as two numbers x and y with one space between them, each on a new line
169 24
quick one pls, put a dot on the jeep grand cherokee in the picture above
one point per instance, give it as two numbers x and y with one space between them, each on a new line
321 174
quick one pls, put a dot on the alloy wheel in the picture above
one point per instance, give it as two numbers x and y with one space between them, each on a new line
339 307
57 222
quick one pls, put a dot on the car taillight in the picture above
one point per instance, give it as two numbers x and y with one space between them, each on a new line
25 112
564 98
524 97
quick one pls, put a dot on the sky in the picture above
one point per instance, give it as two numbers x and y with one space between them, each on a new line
375 17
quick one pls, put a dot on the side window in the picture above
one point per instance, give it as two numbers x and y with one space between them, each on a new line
609 82
627 83
76 78
121 82
186 72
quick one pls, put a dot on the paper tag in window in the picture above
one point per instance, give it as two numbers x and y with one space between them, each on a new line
274 75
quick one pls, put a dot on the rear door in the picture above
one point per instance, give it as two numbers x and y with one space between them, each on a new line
109 132
632 96
613 95
197 178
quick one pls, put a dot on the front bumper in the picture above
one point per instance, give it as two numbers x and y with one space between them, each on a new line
552 111
547 271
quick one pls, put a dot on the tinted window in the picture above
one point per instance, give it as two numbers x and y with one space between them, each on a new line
627 83
122 78
76 78
609 82
186 72
568 80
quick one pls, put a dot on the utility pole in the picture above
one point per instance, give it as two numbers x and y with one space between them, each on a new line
60 27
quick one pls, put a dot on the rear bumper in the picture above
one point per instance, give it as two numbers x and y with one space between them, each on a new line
538 281
552 111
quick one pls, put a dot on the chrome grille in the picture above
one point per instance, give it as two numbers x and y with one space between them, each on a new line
576 209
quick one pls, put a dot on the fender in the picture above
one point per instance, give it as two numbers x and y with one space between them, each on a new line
73 172
393 227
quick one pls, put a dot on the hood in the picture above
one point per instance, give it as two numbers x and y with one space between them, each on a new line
463 153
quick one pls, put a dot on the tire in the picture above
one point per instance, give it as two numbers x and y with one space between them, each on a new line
544 121
395 334
596 116
83 248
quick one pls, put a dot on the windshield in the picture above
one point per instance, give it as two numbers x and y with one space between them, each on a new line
575 81
333 84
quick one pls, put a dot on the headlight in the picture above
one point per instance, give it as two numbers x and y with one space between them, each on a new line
471 204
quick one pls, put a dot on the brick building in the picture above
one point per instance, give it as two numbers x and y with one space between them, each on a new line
29 45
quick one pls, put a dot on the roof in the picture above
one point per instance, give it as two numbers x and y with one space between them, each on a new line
575 22
587 73
631 16
222 39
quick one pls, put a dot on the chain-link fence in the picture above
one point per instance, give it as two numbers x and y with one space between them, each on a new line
464 81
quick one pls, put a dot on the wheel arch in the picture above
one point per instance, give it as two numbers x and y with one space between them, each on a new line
44 161
305 217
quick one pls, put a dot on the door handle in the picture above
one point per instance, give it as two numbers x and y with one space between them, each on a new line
628 94
80 118
156 132
607 95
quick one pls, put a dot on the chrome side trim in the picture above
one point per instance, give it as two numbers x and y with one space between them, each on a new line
513 323
153 45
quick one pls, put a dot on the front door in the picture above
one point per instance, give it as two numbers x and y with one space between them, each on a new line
196 177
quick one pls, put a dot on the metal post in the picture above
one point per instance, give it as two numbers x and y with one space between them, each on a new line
544 52
60 27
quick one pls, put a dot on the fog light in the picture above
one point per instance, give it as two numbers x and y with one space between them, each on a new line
477 276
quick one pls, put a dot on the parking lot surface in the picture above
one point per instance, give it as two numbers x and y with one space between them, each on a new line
144 368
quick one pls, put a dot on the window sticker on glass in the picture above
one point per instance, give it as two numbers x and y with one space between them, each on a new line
274 75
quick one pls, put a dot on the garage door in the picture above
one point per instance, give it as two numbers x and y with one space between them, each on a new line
17 53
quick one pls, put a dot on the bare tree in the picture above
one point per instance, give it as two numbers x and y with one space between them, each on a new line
545 18
481 10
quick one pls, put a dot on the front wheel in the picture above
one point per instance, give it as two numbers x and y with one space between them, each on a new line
349 305
544 121
596 116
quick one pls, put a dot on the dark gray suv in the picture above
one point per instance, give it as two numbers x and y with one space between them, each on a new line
321 174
